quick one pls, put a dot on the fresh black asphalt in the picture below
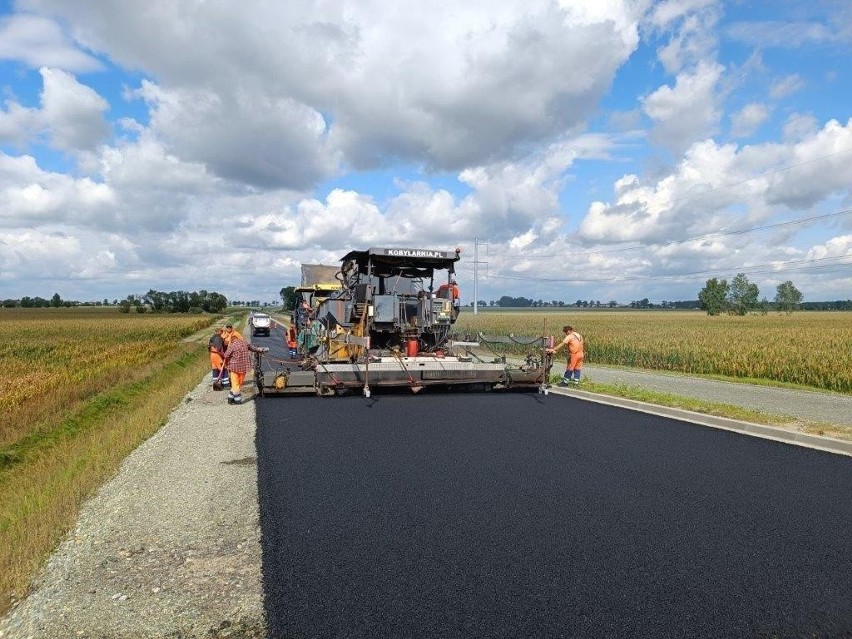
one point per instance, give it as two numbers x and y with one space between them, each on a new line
519 515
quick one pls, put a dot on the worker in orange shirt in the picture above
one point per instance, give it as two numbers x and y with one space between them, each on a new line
573 343
229 334
451 292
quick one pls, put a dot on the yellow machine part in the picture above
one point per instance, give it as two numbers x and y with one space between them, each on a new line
340 351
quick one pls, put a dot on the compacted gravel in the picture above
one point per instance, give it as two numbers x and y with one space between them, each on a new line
170 547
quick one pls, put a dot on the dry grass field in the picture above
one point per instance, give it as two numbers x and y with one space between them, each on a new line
82 388
810 349
58 357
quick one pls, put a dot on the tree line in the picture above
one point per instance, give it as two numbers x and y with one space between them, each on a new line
38 302
176 302
740 296
153 301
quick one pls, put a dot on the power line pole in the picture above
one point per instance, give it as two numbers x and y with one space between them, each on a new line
476 264
475 276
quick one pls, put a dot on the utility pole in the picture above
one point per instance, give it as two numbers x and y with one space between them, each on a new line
476 264
475 276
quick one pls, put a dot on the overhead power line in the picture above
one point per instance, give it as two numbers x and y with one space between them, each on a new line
769 267
789 266
697 238
782 169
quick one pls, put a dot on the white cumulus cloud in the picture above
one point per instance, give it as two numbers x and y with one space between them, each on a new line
70 115
746 121
357 84
724 187
38 41
689 110
72 112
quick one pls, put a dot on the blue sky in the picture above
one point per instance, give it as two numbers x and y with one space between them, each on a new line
600 149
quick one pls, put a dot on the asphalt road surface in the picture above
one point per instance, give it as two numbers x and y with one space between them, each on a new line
518 515
275 342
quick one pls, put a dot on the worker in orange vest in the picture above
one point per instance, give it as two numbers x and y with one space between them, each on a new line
216 346
292 343
229 334
575 346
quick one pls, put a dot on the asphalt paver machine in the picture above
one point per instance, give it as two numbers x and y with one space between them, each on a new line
388 325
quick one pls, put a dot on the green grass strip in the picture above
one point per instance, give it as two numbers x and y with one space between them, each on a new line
718 409
686 403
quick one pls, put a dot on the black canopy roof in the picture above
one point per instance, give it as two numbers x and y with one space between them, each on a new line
407 262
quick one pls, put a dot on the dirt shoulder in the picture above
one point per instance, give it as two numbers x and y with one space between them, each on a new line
170 547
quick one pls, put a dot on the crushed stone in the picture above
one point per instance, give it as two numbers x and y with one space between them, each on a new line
170 547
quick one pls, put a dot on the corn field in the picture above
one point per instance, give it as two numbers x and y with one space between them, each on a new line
811 349
53 358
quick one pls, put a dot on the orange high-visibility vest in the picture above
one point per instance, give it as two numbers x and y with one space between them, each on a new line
291 338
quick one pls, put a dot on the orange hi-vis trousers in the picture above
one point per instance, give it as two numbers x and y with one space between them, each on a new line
576 361
235 395
237 380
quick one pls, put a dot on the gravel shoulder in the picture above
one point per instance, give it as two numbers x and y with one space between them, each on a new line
170 547
811 406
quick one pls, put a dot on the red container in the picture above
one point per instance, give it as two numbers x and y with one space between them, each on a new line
412 348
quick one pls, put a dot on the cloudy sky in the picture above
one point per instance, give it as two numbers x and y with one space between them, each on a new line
594 149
